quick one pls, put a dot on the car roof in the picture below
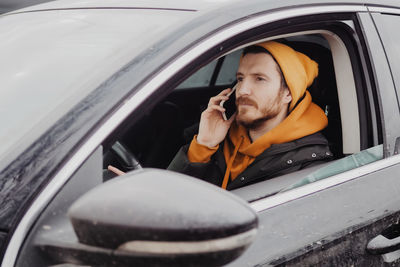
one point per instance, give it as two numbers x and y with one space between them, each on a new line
142 4
198 5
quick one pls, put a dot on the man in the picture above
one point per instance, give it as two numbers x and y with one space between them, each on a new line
275 129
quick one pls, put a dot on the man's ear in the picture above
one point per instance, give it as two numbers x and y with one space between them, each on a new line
287 96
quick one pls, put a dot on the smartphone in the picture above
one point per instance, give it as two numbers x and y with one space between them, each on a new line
229 105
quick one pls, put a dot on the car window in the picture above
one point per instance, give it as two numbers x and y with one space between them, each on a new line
55 217
174 121
227 74
345 164
387 25
201 78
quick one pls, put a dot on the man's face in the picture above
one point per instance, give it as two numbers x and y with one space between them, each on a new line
259 96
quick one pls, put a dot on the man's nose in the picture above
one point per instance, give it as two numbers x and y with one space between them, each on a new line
243 88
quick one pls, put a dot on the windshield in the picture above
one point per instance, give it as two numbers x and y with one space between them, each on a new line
51 60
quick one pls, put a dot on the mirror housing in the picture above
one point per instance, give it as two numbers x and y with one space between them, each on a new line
157 217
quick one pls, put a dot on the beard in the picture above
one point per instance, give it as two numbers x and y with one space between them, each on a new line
267 113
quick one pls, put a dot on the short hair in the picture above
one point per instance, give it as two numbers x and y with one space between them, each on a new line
255 49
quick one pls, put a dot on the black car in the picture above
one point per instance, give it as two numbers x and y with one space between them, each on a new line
88 84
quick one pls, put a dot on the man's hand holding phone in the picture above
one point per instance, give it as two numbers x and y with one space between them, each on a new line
213 127
229 105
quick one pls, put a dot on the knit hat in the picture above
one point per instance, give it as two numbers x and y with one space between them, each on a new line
298 69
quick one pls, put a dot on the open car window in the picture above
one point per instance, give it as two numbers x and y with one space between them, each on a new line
174 121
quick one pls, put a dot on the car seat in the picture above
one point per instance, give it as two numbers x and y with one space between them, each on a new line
324 91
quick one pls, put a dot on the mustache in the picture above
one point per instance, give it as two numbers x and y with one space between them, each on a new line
245 101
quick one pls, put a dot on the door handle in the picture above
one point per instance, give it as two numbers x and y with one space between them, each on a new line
383 245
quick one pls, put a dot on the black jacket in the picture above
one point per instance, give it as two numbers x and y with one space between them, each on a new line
277 160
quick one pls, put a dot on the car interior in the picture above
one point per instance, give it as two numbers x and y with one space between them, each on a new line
154 140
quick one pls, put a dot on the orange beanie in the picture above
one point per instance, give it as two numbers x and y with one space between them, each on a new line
298 69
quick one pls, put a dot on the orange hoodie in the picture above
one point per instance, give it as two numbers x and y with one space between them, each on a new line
306 118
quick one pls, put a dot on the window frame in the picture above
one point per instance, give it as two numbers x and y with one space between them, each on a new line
383 80
381 13
347 45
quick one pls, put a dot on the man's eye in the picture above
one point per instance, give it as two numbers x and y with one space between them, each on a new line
260 79
239 79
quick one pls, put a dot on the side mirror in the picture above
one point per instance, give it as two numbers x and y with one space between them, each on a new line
156 217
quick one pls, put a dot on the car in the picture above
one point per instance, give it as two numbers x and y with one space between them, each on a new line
88 84
8 6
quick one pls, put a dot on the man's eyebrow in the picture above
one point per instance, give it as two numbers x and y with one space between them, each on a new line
260 74
254 74
264 75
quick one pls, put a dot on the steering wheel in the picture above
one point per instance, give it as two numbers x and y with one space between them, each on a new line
119 156
125 157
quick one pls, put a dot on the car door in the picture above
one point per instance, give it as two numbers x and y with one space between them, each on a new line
352 218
